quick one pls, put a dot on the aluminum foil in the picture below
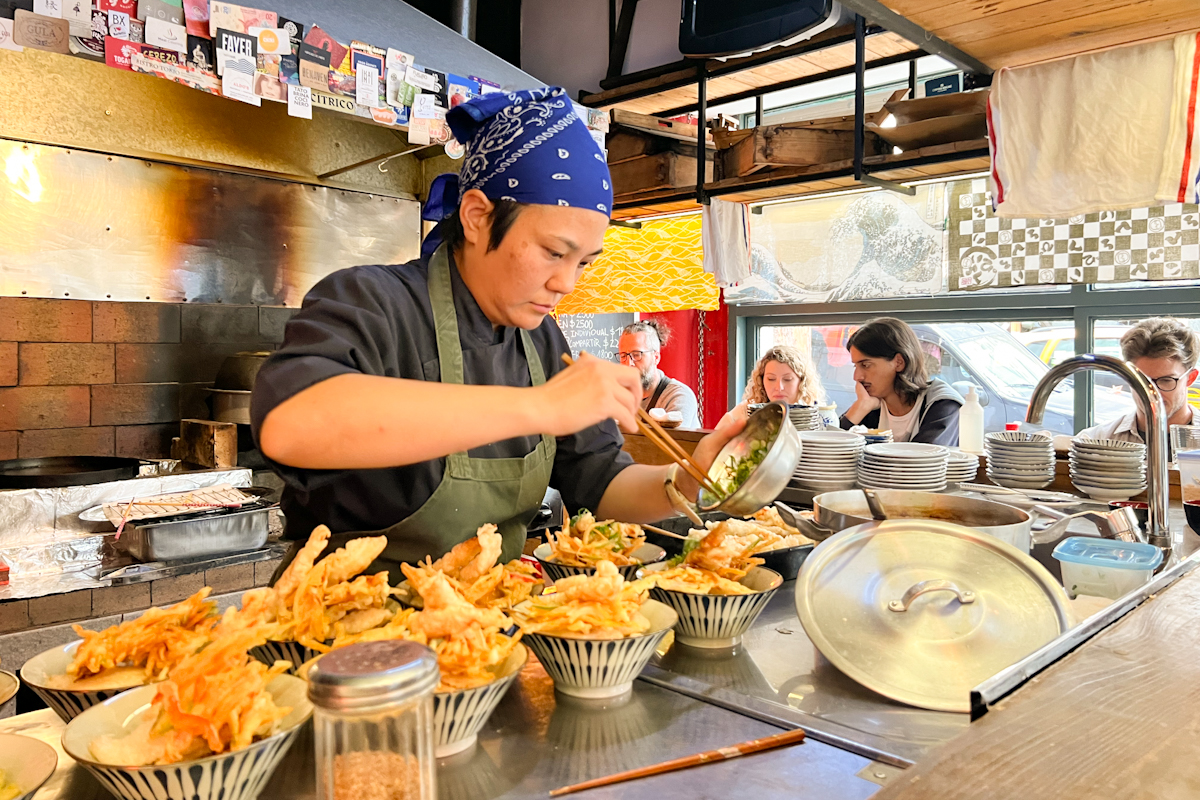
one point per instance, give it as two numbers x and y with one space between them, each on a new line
43 540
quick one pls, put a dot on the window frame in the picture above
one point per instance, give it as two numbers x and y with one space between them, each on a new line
1082 305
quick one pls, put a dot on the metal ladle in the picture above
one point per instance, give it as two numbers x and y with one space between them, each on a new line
873 503
1120 524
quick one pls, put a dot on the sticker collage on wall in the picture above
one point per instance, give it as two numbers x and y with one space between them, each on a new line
251 55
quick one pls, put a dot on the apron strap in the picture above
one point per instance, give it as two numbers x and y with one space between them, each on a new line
445 321
663 383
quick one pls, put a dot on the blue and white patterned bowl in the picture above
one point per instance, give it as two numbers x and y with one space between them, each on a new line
240 775
716 621
67 703
646 554
26 763
271 651
599 668
458 716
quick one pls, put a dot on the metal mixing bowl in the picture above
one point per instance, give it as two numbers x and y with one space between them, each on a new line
770 424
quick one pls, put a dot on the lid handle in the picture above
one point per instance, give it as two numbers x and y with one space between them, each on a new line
918 589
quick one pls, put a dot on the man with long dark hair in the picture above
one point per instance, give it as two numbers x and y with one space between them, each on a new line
893 388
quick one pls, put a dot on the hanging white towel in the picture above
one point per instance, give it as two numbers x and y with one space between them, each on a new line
725 235
1181 164
1103 131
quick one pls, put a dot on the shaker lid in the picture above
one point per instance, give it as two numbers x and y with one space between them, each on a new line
923 611
372 674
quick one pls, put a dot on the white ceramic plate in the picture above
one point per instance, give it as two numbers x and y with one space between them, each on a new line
1092 480
1109 495
840 438
907 450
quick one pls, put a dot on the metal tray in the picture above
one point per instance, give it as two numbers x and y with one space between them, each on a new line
183 539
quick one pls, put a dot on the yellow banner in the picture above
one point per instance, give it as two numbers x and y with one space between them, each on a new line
656 268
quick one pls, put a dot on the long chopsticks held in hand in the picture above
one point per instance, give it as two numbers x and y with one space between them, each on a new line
655 433
721 754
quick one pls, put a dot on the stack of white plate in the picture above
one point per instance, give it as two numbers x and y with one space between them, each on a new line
828 460
903 465
806 418
1019 460
1108 469
961 467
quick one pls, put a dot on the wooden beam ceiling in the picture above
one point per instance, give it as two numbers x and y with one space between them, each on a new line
1007 33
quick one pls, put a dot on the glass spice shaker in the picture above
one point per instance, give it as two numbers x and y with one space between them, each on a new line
373 721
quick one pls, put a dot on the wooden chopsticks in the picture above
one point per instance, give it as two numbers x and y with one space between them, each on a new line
721 754
655 433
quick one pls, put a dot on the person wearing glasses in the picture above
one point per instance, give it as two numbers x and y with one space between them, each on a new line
641 346
1166 351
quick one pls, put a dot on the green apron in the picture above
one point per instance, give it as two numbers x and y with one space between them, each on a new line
474 491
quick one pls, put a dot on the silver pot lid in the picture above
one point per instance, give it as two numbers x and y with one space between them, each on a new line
923 611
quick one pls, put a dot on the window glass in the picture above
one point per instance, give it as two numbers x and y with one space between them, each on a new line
993 357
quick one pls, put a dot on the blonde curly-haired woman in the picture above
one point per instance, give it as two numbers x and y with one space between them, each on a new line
784 374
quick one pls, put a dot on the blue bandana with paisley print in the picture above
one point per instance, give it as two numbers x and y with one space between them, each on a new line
529 147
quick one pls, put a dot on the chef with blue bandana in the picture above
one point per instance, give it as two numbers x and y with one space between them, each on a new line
423 400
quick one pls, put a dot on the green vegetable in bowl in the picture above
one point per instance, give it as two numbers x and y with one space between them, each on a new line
738 470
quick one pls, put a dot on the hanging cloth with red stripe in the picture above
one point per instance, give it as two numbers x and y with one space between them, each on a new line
1104 131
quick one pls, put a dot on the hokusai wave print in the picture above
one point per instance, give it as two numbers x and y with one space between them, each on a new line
854 247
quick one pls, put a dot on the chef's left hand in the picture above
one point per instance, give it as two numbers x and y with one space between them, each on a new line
707 448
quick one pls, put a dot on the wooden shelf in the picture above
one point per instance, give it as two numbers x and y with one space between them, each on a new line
943 160
832 50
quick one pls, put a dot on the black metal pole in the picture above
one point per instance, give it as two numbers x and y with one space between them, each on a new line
912 79
758 110
701 130
860 99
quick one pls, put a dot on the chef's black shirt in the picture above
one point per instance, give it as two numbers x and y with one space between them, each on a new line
377 320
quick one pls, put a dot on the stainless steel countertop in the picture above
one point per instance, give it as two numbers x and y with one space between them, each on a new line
777 675
537 741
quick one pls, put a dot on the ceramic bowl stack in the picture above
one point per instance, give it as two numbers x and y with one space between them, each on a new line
1019 460
877 437
961 467
828 460
1108 469
806 418
903 465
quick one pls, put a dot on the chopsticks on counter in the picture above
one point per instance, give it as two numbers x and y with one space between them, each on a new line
720 754
656 434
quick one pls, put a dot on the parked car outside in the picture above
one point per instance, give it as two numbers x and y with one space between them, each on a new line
1003 371
1055 344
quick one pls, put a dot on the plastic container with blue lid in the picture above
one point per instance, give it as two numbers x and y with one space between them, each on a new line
1105 567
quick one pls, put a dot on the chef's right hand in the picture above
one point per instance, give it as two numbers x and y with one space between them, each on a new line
587 393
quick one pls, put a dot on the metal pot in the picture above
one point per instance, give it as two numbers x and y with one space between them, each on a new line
231 406
238 371
836 511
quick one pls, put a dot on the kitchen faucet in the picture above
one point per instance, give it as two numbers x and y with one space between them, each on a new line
1158 527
